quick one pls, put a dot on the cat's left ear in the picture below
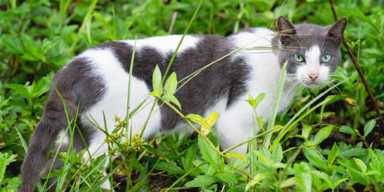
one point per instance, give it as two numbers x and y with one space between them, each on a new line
336 31
286 29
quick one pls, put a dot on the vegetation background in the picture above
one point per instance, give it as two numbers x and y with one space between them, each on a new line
38 37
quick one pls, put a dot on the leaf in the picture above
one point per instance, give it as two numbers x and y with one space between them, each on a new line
277 153
352 152
173 99
306 131
5 160
23 143
151 149
188 158
315 158
138 185
171 84
361 165
228 176
197 119
288 183
357 176
324 177
303 175
201 181
259 98
156 81
171 167
260 175
236 155
263 158
369 127
322 134
39 88
346 129
332 154
208 153
211 120
251 101
20 89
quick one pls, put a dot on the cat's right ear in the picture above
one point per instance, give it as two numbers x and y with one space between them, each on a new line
285 29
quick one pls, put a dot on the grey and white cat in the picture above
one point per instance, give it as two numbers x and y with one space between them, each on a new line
97 81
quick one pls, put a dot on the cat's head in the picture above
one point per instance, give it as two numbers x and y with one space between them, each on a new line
312 51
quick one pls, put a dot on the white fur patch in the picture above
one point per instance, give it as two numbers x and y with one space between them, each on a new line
114 100
312 67
165 44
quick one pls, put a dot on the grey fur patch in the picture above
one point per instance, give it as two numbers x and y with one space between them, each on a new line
224 79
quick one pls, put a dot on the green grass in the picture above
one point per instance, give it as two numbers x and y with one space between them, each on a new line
298 152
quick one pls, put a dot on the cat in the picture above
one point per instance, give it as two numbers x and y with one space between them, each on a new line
96 81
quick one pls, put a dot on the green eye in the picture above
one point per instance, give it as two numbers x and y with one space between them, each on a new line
326 58
298 58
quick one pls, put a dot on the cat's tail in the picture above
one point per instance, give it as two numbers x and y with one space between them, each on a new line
53 120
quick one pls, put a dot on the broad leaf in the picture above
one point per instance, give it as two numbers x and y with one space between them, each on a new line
170 85
156 81
201 181
209 154
369 127
346 129
303 175
315 158
322 134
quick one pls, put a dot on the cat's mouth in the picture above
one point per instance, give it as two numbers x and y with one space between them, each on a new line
311 85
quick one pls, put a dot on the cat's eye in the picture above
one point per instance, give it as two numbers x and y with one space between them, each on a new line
326 58
298 58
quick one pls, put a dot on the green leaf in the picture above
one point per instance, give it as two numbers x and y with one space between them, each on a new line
263 158
251 101
277 153
315 158
369 127
346 129
322 134
361 165
303 175
352 152
170 84
332 154
201 181
236 155
275 106
228 176
170 167
156 81
39 88
138 185
357 176
23 143
188 158
5 160
259 98
259 175
324 177
208 153
172 99
197 119
20 89
151 149
306 131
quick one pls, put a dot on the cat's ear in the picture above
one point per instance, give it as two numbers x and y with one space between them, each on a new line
285 28
336 31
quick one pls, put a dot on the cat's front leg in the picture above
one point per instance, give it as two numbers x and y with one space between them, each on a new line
235 126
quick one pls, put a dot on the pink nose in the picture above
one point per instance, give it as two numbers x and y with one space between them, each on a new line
313 76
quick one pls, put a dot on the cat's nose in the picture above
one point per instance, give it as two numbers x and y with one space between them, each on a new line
313 76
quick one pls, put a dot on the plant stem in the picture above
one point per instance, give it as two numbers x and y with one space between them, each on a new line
357 66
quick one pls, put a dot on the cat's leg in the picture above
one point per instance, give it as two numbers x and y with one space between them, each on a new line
235 126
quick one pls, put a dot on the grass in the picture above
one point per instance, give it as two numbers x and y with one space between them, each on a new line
299 152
